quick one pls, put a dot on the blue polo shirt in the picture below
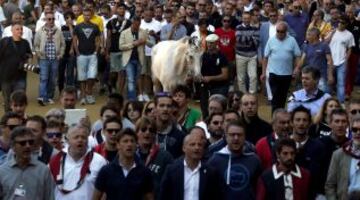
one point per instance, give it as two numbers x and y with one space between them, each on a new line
299 24
316 56
281 55
112 181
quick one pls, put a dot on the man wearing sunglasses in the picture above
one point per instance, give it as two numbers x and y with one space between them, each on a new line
22 176
8 122
111 127
54 134
298 20
343 176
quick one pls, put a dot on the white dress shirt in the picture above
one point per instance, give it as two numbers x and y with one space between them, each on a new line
27 34
191 182
72 170
288 183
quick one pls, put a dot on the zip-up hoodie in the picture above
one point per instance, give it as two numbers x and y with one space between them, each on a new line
239 171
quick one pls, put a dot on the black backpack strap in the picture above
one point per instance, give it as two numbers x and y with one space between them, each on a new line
271 142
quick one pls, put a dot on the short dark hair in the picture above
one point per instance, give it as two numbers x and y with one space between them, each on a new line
109 107
211 116
184 89
161 95
70 14
203 22
117 97
69 89
39 119
19 97
127 131
9 115
338 111
236 123
301 108
229 111
315 73
284 142
19 131
111 120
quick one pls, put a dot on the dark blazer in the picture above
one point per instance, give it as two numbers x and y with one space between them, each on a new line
172 184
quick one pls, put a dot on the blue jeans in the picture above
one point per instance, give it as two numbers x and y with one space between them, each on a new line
340 71
133 69
48 77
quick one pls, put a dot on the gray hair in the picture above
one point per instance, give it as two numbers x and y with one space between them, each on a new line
220 99
282 23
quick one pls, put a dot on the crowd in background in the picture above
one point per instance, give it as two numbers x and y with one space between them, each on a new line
148 145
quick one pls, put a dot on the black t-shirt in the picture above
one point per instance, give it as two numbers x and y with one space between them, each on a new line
354 28
86 33
134 53
212 65
13 54
110 155
116 27
68 39
115 185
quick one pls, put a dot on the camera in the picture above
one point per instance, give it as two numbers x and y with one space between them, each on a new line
32 68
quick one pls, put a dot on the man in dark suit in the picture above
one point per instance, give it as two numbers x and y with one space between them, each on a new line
189 178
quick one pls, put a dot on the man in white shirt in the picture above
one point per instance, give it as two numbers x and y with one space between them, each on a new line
340 45
189 178
59 18
153 27
17 17
75 172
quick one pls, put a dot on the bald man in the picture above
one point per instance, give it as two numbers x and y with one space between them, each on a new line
18 18
188 177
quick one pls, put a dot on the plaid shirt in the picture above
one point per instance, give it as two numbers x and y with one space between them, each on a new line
50 50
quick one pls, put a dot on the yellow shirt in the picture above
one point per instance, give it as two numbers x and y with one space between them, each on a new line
324 28
95 20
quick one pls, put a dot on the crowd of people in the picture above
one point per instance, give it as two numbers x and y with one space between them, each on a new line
148 145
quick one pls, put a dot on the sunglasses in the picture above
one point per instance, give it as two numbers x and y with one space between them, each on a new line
24 142
54 134
354 112
355 130
51 19
236 99
11 127
280 31
216 122
151 130
226 20
113 130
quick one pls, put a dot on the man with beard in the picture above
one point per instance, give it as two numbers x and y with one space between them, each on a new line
75 171
310 152
285 180
169 137
256 127
343 176
265 147
215 127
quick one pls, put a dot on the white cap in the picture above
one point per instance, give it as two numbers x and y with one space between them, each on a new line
212 38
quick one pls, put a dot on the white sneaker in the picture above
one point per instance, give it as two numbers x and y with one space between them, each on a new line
83 101
90 99
51 101
140 97
146 97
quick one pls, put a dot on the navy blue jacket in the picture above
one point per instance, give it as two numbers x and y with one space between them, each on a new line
172 184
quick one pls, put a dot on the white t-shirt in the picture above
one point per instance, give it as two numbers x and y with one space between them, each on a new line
340 42
155 26
72 176
27 34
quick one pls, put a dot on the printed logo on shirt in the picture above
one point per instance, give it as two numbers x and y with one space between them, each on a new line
239 177
87 32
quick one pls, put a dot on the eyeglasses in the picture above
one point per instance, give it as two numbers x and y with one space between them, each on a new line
355 130
272 15
151 130
226 20
236 99
354 112
113 130
280 31
51 19
11 127
54 134
24 142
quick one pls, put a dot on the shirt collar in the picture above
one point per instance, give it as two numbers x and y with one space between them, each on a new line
312 94
196 169
278 174
132 167
13 163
